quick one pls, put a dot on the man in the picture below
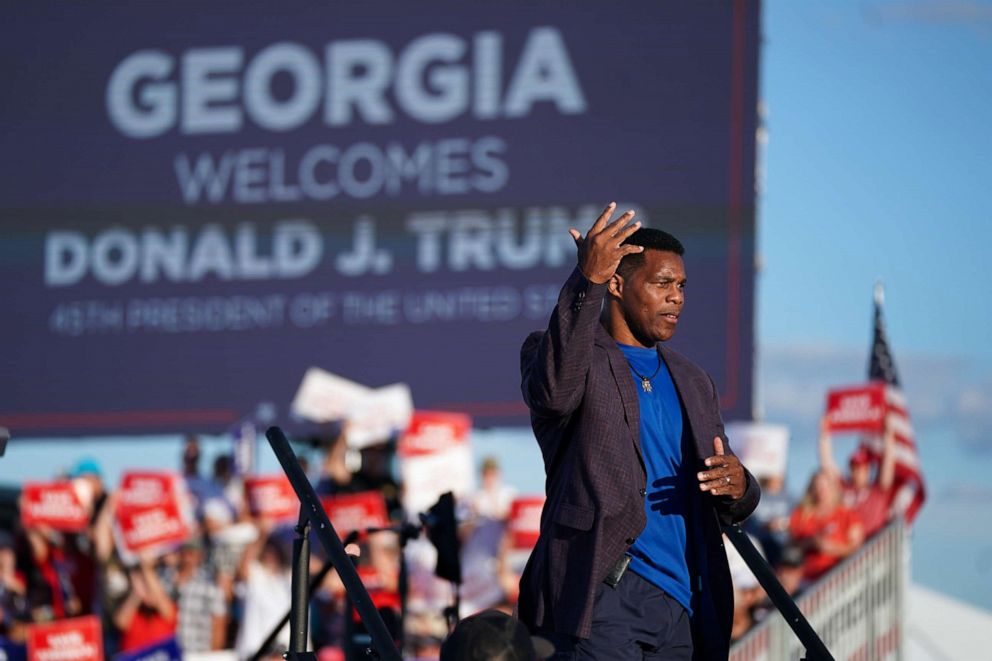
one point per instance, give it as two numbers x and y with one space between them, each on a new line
201 608
630 563
869 498
491 635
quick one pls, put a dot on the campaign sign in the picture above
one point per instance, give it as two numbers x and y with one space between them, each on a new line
524 523
857 408
435 456
434 432
75 639
153 512
53 504
154 528
212 201
140 489
356 511
370 415
163 650
762 447
271 497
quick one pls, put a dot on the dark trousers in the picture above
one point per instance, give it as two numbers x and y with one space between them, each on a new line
634 620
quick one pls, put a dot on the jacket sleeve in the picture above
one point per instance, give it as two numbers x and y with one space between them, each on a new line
554 363
731 510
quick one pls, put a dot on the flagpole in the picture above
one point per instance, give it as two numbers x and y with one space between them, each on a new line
879 293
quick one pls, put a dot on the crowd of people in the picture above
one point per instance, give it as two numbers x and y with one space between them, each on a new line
227 586
833 518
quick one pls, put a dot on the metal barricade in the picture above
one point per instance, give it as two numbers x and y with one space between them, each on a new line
857 608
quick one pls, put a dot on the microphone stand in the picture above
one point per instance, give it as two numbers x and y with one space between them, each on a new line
815 649
313 516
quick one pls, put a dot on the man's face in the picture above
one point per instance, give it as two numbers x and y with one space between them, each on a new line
652 297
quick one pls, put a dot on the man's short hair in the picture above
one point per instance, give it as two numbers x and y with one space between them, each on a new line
493 636
650 239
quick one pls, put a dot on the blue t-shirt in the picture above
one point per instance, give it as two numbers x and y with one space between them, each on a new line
659 553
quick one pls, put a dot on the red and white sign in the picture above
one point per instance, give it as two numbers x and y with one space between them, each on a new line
356 511
857 408
149 489
151 528
525 521
76 639
53 504
153 513
435 457
433 432
272 497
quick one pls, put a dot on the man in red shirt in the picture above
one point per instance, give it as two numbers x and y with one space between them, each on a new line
869 498
148 614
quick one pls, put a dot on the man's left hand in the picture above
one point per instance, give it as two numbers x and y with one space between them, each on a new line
725 476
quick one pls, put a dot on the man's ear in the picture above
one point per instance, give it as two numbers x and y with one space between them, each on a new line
615 286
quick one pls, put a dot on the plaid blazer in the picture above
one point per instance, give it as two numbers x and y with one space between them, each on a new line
585 415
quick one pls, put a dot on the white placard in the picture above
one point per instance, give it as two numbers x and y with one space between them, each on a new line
762 448
372 415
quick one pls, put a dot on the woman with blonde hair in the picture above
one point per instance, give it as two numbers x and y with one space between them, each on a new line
823 527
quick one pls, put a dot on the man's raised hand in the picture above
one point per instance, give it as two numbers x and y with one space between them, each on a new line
600 251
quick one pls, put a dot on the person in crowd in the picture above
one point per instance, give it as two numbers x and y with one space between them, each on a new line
869 496
147 614
769 524
482 536
202 610
228 484
823 527
191 457
46 565
87 551
265 575
200 488
346 470
629 563
789 571
747 591
14 613
493 498
492 635
335 473
328 603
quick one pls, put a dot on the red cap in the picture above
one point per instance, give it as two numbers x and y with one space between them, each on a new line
860 457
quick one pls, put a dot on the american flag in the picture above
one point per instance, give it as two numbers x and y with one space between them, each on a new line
908 489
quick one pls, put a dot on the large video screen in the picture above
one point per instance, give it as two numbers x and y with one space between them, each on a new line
199 202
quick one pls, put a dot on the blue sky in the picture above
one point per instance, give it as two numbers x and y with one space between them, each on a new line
878 164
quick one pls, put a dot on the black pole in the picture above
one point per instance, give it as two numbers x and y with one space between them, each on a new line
310 507
299 612
314 584
815 649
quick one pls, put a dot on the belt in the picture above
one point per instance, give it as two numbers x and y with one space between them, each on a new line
617 571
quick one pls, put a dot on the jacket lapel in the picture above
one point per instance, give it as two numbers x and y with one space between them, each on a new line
688 393
625 385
